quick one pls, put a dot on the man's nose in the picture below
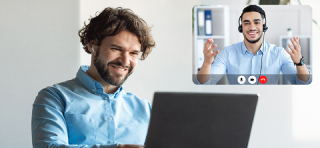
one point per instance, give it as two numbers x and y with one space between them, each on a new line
252 27
125 58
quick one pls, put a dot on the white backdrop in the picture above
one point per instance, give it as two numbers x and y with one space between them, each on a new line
40 47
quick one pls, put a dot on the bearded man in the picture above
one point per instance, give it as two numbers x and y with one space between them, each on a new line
92 110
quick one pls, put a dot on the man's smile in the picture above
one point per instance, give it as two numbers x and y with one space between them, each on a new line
119 69
253 33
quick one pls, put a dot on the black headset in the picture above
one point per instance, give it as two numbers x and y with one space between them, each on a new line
265 27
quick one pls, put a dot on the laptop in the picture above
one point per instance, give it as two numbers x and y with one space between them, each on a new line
192 120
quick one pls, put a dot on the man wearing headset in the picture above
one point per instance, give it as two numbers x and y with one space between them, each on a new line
92 110
253 56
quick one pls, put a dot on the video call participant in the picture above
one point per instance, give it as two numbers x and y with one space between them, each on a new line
92 110
253 56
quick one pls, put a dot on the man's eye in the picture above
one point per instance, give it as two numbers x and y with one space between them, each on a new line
135 53
257 22
115 49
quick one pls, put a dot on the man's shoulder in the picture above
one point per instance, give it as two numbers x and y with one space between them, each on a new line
132 97
57 90
66 85
233 48
274 49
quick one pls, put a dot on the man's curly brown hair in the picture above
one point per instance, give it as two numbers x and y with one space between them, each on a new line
110 22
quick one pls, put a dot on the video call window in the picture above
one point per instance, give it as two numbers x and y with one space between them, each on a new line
252 43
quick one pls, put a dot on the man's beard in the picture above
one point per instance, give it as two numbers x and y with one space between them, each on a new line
105 74
254 41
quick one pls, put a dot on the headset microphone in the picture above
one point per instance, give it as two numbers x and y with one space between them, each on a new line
92 48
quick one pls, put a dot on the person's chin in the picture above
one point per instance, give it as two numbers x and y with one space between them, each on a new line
253 39
118 83
250 38
115 81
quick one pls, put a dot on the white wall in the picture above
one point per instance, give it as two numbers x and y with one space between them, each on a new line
40 47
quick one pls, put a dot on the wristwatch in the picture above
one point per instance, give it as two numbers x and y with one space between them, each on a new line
301 62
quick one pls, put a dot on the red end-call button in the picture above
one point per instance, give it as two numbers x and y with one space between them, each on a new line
263 79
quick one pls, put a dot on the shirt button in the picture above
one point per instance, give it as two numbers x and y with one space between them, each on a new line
111 141
106 98
110 118
92 90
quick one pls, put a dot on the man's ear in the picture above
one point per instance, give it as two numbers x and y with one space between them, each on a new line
90 46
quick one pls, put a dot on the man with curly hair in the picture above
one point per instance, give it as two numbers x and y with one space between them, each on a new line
92 110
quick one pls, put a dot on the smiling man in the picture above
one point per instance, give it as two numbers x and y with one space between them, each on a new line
92 110
253 56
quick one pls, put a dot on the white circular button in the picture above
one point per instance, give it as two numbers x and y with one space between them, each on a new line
241 79
106 98
110 118
252 79
111 141
93 90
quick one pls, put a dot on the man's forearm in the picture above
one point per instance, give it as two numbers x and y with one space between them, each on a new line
204 73
303 73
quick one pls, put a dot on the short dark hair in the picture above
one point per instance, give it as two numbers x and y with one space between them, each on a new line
255 8
110 22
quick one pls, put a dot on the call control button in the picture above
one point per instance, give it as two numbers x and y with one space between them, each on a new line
252 79
263 79
241 79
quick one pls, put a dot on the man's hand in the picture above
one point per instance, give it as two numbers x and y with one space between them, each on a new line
207 51
204 72
130 146
295 52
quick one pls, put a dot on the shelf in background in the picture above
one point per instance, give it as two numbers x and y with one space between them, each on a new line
212 36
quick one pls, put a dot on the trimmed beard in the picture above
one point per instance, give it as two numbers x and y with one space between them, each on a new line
254 41
105 74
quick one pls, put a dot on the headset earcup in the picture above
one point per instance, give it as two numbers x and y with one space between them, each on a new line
240 28
265 28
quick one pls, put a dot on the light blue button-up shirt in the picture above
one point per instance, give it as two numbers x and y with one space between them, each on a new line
236 60
77 113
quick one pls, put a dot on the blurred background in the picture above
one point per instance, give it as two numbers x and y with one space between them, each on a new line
40 47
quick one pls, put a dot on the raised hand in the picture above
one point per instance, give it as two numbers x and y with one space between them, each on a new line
295 52
207 51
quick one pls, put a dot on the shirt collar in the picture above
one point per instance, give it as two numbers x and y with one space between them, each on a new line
244 48
91 84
